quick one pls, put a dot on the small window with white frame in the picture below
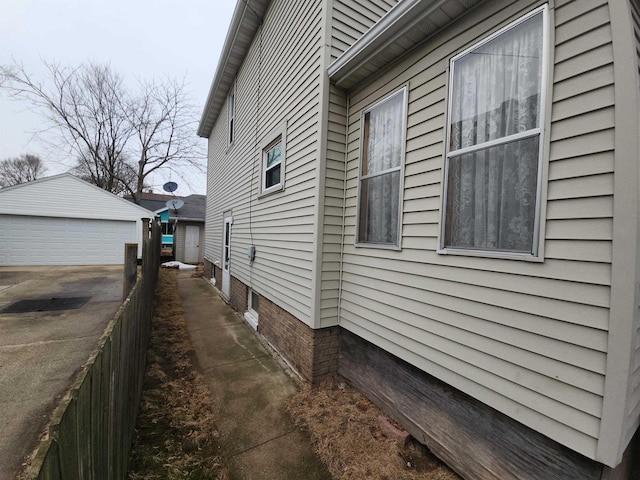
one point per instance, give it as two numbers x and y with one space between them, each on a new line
231 114
492 177
253 301
273 161
383 128
251 316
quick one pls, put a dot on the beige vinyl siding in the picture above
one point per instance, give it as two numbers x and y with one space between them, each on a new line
634 385
527 338
352 18
349 20
333 207
280 224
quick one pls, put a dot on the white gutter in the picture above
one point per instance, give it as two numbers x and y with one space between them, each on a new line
405 15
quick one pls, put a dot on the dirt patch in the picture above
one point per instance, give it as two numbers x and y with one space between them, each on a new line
176 435
346 433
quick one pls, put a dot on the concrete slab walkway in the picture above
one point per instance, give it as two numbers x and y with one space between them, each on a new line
249 388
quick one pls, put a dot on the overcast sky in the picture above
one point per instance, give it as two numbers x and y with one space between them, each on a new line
139 38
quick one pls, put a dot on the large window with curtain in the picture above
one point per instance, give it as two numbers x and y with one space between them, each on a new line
382 152
493 160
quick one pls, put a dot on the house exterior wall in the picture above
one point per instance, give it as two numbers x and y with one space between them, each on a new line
528 339
333 211
634 386
352 18
278 84
532 340
621 412
348 21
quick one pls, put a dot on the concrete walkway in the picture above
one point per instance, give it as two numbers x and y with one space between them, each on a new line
258 438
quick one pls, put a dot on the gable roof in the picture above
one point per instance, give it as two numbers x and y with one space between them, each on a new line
66 195
408 24
192 210
247 18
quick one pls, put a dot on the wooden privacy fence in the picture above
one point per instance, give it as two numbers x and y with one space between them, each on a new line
91 431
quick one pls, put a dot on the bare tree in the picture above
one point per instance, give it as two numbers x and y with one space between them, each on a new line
164 122
101 125
22 169
119 179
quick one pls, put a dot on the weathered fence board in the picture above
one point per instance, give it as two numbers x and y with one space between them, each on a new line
50 465
84 427
90 434
68 442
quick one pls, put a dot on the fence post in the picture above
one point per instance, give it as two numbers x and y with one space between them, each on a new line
145 228
130 268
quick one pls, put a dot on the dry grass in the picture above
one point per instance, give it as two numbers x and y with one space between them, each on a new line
199 271
344 427
176 434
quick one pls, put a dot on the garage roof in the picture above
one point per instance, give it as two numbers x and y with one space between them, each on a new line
67 196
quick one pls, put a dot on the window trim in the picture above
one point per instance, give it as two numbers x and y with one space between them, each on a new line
278 135
538 241
404 90
251 316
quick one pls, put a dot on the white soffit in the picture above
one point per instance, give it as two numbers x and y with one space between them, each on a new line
405 26
245 22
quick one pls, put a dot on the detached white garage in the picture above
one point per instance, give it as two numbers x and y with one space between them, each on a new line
62 220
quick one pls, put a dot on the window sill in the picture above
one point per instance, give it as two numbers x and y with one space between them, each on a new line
379 246
251 318
271 191
229 147
523 257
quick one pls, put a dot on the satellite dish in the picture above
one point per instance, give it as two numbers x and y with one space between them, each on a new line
174 204
170 187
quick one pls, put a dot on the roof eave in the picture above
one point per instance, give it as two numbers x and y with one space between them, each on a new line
405 15
241 27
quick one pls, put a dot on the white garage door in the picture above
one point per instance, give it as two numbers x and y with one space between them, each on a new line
63 241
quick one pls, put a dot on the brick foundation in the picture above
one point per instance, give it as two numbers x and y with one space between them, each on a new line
208 269
313 353
211 271
237 295
217 272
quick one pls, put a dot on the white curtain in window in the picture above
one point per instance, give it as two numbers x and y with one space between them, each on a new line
491 193
380 193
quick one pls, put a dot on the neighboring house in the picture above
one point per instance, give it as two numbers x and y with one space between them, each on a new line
62 220
448 189
182 229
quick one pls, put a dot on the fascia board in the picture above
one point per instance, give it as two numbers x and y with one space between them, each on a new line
240 26
396 22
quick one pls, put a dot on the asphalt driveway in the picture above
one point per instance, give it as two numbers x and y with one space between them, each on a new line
42 351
